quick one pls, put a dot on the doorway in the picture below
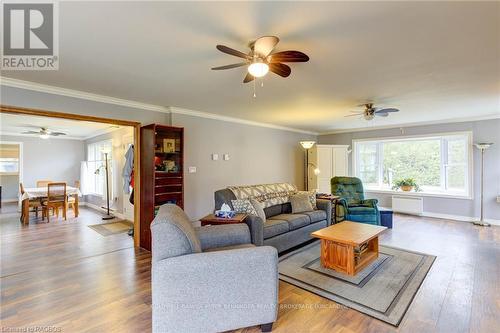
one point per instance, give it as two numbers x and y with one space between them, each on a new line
132 138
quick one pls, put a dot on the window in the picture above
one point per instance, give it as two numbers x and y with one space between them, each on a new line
439 164
96 176
9 159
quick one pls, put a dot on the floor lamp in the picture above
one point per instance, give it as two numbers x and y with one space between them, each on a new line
482 147
306 145
108 216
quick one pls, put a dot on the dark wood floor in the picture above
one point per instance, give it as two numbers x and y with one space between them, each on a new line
67 276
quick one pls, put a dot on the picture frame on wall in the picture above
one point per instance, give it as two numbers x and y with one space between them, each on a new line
169 145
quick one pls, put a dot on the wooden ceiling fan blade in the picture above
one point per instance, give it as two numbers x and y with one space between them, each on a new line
230 66
265 45
233 52
387 110
249 77
280 69
288 56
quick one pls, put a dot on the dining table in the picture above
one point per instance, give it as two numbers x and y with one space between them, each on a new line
38 193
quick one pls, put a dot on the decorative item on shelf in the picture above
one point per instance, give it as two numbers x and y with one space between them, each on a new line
225 212
482 146
170 166
169 145
406 185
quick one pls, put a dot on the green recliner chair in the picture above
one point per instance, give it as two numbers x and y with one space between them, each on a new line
352 204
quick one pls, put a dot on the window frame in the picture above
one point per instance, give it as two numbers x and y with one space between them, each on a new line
469 193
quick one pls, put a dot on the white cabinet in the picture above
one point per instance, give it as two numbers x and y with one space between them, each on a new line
331 160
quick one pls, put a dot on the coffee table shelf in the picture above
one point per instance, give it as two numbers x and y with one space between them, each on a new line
338 243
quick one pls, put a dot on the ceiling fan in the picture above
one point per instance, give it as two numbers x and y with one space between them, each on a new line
371 112
44 133
260 60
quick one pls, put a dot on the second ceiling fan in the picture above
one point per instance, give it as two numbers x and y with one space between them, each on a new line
260 59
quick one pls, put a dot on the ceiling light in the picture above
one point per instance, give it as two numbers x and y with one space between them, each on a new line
369 116
258 69
44 136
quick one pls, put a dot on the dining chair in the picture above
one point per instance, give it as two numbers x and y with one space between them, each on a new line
56 198
72 199
43 183
34 204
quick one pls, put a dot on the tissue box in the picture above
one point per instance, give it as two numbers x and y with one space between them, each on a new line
225 214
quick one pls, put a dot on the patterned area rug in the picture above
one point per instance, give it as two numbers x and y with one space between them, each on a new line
383 290
112 228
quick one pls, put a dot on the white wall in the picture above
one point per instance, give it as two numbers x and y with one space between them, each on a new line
51 159
257 155
483 131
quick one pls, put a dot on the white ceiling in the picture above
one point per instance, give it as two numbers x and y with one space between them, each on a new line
435 61
11 124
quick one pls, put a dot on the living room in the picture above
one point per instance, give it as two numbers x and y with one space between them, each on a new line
353 150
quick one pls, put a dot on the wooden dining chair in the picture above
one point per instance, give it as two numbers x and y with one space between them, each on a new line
72 199
43 183
56 198
33 204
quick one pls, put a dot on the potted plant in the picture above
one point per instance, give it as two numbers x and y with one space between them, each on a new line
406 185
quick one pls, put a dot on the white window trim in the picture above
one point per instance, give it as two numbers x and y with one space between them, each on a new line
470 164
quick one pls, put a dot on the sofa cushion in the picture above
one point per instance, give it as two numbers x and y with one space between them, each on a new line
273 227
259 209
316 215
272 211
300 203
243 206
361 210
294 220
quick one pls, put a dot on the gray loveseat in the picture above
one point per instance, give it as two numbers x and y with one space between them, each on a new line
282 229
209 279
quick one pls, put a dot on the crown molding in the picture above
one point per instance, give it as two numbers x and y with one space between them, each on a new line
28 85
33 86
423 123
213 116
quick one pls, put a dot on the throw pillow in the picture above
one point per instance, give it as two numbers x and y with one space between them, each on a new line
259 208
312 197
300 203
243 206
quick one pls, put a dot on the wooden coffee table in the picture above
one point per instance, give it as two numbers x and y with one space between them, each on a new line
340 241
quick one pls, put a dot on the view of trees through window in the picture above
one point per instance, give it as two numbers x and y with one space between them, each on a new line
437 164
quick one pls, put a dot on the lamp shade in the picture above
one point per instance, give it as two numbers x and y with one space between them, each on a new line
307 144
483 145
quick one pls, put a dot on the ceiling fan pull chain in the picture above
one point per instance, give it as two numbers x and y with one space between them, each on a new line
254 94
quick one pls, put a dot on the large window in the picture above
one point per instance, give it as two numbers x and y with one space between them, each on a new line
439 164
96 177
9 159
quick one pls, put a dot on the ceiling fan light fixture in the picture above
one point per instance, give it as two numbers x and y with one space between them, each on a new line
44 136
369 116
258 69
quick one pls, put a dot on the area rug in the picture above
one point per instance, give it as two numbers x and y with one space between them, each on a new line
112 228
383 290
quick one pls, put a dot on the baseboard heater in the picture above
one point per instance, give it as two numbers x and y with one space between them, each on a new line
408 205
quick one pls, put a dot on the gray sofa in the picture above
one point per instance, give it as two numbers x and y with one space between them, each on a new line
282 229
209 279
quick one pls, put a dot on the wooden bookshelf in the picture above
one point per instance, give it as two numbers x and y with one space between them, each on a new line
162 173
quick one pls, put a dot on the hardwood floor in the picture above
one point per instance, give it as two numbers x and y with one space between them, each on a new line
67 276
